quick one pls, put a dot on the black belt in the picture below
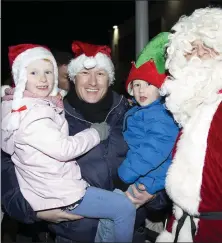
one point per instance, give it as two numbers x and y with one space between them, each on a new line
208 215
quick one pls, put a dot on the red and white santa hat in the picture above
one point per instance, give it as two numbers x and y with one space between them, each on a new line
89 56
20 56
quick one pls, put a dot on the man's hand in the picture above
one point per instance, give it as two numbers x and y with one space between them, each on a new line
140 197
57 216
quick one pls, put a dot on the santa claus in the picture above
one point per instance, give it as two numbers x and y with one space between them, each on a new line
193 95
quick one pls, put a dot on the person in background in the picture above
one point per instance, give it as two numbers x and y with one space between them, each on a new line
194 96
62 59
149 130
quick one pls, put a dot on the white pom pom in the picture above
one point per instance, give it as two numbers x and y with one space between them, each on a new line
3 88
90 62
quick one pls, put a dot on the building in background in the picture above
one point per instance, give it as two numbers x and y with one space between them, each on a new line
162 16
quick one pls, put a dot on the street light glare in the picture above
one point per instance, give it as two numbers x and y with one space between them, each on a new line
115 27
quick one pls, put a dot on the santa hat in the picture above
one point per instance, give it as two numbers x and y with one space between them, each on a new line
150 65
20 56
203 24
89 56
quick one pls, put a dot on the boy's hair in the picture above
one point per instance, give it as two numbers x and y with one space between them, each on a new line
62 57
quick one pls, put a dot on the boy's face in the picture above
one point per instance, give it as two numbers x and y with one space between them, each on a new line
144 93
40 77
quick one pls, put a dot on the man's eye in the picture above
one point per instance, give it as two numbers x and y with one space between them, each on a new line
101 74
84 72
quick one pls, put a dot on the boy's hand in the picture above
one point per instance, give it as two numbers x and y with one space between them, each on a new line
140 197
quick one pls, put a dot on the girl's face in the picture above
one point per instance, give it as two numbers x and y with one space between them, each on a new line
144 93
40 77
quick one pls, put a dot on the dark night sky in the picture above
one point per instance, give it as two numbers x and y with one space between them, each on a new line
57 24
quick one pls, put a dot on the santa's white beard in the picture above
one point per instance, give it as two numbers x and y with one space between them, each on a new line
190 86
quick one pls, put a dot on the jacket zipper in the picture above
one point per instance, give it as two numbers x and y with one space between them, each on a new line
106 116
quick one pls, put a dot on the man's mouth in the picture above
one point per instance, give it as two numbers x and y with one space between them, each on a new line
92 90
143 98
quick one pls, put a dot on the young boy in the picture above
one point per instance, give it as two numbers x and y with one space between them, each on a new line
149 129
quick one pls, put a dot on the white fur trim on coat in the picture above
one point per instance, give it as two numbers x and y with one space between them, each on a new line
184 177
100 60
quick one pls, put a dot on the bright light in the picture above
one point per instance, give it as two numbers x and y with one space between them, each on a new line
115 27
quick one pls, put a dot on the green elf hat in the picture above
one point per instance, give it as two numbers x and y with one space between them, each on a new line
150 65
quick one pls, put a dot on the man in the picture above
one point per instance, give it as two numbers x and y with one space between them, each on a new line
194 181
90 100
63 59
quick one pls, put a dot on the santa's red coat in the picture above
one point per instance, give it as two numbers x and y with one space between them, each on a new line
194 180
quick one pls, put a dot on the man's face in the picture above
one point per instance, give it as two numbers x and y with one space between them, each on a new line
200 50
144 93
63 77
91 84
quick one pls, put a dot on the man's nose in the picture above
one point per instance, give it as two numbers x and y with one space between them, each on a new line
92 80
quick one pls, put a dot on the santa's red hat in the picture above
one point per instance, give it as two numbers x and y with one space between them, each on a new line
20 56
89 56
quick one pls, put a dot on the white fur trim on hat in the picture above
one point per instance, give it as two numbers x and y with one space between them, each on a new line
203 24
100 60
20 78
20 75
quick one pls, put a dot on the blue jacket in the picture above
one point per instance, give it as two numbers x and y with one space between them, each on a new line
150 133
98 167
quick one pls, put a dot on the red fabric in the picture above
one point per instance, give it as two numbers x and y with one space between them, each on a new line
170 222
23 108
175 145
211 189
220 91
146 72
89 50
14 51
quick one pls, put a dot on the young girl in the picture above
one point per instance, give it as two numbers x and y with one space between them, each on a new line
35 134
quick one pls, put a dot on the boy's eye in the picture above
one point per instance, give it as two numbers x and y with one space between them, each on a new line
33 73
136 85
